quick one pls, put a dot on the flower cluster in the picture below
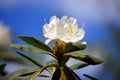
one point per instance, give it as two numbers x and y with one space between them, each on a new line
65 29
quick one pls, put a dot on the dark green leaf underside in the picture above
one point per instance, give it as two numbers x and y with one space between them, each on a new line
2 66
77 77
66 74
56 75
90 77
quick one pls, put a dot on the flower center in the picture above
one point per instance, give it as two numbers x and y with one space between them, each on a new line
70 30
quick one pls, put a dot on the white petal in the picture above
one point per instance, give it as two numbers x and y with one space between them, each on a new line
47 41
79 35
63 19
84 43
53 19
72 21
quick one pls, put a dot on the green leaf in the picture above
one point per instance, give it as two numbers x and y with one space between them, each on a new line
33 71
18 79
71 47
52 62
33 61
44 76
35 42
2 66
29 72
34 75
78 66
30 59
27 48
56 75
75 47
30 49
77 77
13 75
90 77
64 60
66 74
83 57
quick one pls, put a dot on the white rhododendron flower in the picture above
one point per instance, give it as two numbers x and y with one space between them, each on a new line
65 29
4 35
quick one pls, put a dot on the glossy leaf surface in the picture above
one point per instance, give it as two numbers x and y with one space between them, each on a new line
78 66
75 47
30 49
83 57
35 42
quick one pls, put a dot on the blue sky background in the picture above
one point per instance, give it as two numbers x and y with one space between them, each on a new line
25 17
